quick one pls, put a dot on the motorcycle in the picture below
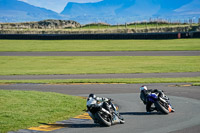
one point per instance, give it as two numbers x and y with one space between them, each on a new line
161 102
104 113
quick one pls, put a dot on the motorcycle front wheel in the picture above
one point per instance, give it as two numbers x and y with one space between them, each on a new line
103 119
162 107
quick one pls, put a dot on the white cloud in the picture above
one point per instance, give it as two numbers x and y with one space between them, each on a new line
55 5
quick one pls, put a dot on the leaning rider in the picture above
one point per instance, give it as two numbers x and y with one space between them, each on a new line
93 99
144 92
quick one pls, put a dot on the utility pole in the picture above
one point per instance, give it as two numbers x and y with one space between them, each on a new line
157 25
135 26
146 25
199 23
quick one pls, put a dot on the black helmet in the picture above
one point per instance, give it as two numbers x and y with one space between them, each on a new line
92 96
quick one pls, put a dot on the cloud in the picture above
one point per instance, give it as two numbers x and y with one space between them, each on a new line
55 5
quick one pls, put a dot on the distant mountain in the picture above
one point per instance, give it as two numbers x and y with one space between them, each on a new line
109 11
190 8
120 11
18 11
170 7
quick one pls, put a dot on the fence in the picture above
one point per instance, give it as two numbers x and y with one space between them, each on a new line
117 36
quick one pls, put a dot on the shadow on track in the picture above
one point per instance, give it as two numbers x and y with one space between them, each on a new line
140 113
71 125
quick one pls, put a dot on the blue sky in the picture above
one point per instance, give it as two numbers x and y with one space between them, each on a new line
55 5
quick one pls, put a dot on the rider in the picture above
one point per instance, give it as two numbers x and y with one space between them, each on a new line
93 99
144 92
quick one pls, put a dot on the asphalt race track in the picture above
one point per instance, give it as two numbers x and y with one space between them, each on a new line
100 76
184 98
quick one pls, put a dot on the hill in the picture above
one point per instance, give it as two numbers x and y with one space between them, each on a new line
108 11
44 24
119 11
18 11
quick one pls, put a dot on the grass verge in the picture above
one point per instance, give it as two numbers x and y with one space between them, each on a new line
123 80
196 84
23 109
132 25
99 45
27 65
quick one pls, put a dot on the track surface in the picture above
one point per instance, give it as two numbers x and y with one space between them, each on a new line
186 117
112 53
101 76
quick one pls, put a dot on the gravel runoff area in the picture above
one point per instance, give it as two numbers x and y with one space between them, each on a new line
102 53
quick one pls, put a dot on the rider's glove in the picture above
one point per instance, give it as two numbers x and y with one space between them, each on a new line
105 99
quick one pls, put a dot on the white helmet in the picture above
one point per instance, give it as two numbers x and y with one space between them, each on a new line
143 88
92 96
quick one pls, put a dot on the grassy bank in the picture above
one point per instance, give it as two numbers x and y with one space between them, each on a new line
23 109
196 84
99 45
131 25
25 65
107 81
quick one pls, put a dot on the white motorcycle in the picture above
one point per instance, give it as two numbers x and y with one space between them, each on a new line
104 113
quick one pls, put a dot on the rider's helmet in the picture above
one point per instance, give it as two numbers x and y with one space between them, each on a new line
143 88
92 96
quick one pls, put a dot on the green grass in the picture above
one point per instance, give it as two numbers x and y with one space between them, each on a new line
137 25
23 109
26 65
99 45
196 84
108 81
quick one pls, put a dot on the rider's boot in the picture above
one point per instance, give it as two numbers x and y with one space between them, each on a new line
172 109
118 115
